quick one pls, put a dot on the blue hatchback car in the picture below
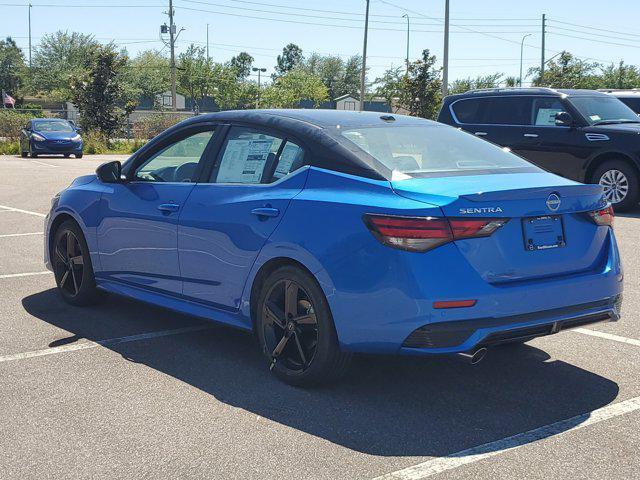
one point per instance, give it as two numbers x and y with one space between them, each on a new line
46 136
329 233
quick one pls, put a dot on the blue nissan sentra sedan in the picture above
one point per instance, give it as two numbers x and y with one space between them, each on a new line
46 136
328 233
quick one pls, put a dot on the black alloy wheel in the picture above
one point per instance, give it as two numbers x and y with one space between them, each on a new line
295 329
291 326
72 265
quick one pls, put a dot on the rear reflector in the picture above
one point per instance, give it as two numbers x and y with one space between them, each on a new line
603 217
454 304
420 234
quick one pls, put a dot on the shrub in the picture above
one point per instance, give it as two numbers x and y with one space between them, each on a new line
151 125
12 122
9 147
95 142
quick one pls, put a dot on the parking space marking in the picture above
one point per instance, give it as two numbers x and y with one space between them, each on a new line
7 235
101 343
45 164
608 336
487 450
28 212
27 274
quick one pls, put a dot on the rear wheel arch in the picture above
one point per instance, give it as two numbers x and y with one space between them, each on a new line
597 161
263 273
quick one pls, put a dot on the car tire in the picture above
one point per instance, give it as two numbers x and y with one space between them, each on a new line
292 305
24 154
72 265
619 178
78 155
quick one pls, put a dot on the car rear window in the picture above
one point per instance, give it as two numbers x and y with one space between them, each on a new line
434 150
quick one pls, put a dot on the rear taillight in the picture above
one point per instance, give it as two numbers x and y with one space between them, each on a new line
420 234
602 217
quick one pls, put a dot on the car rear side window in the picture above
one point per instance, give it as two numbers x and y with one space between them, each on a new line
508 110
250 156
632 103
545 109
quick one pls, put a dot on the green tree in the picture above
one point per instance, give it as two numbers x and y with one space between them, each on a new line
339 76
242 64
12 67
481 81
291 58
195 73
288 90
231 93
58 57
100 93
620 76
389 86
566 71
149 74
421 88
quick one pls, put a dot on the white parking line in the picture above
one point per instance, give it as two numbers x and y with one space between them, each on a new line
481 452
608 336
45 164
7 235
101 343
11 209
28 274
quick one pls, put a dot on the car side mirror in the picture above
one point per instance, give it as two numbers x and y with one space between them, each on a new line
564 119
110 172
78 129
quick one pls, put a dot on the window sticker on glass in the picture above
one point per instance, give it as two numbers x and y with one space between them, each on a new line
244 160
594 118
547 116
290 154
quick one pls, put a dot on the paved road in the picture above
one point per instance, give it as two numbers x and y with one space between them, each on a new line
151 401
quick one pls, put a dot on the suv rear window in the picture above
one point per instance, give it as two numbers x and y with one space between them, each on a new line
507 110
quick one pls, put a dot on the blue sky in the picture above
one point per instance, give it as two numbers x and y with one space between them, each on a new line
485 35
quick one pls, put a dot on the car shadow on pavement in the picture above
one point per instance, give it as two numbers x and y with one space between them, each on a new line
387 406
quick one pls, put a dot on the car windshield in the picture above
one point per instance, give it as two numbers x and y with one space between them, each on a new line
603 110
433 150
53 126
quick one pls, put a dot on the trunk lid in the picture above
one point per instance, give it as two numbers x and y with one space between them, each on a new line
548 233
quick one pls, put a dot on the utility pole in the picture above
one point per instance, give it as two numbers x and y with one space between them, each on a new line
445 54
255 69
544 31
30 35
521 52
207 41
407 17
363 73
172 32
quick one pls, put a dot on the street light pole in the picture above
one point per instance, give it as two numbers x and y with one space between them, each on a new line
408 30
207 41
30 35
173 56
521 52
259 70
364 58
445 53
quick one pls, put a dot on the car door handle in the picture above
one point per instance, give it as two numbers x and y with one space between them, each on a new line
480 134
531 135
168 207
266 212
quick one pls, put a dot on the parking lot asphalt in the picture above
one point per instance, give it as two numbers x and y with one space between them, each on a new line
126 390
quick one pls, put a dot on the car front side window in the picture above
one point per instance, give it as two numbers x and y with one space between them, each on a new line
177 162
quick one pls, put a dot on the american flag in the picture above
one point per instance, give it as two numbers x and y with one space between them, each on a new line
8 100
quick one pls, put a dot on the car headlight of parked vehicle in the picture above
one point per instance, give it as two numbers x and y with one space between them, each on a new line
38 138
77 138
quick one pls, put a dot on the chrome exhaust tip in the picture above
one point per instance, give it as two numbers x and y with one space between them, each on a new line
474 356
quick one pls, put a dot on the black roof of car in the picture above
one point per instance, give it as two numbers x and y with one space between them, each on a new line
318 118
553 92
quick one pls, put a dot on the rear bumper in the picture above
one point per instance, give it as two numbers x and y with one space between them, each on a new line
462 336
